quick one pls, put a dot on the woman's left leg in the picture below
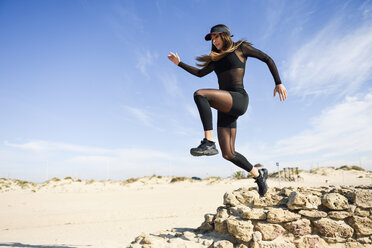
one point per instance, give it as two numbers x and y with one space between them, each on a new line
226 139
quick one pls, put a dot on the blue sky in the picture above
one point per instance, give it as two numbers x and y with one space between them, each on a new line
86 89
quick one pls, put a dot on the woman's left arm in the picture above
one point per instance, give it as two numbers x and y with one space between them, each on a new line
250 51
282 92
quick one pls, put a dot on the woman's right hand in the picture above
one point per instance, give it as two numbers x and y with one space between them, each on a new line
174 58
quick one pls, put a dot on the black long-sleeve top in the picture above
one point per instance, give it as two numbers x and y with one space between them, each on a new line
230 69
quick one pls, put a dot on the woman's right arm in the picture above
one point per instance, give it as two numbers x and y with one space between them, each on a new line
193 70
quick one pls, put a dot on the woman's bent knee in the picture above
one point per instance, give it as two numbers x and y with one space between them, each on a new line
228 156
197 93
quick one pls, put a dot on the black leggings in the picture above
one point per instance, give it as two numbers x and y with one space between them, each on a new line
230 105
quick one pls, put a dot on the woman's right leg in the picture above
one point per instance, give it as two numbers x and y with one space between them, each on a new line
205 99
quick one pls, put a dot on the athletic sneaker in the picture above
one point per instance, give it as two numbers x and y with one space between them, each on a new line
206 147
261 181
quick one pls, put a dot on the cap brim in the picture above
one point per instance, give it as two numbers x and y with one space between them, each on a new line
208 36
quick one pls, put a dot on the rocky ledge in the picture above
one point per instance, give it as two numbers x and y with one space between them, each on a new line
319 217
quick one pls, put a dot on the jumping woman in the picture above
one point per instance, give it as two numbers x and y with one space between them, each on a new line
227 59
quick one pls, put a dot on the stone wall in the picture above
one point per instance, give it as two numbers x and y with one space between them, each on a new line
339 217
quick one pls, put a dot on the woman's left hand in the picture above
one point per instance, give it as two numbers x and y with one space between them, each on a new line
281 91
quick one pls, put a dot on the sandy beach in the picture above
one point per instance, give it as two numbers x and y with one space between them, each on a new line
70 213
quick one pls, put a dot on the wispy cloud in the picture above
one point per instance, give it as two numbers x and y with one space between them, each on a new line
125 23
339 132
332 62
145 59
170 84
192 110
140 114
366 9
96 162
274 15
42 146
342 129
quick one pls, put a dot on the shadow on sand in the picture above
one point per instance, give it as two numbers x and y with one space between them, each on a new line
177 233
37 246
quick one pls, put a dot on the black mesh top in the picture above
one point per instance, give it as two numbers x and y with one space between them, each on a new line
230 69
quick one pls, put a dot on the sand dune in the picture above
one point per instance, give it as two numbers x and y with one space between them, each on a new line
85 213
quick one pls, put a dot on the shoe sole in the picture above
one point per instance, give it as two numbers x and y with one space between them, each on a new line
202 154
265 176
265 173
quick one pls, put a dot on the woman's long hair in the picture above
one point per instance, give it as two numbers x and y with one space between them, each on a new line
215 55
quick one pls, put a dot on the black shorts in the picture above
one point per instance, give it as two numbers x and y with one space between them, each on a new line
239 107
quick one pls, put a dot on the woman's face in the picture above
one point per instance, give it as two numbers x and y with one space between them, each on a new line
217 41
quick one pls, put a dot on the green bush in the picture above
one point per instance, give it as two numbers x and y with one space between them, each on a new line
344 167
178 179
131 180
212 178
160 177
22 184
239 175
353 167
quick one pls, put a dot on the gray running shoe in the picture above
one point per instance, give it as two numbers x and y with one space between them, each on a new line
261 181
206 147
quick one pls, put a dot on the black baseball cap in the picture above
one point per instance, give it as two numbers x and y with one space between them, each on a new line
217 30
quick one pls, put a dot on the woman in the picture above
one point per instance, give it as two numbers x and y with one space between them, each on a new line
227 59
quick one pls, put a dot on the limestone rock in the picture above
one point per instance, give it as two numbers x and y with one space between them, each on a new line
356 245
269 200
303 201
278 215
334 240
361 212
339 215
189 235
237 211
311 241
254 214
256 238
313 213
220 220
242 230
364 240
272 244
178 243
363 198
208 224
246 196
286 191
321 217
223 244
299 227
335 201
362 225
146 240
206 242
229 199
333 229
269 231
349 193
